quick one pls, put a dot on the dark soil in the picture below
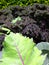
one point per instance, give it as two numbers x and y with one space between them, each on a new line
2 36
34 24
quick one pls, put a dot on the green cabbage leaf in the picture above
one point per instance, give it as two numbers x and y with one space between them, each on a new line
20 50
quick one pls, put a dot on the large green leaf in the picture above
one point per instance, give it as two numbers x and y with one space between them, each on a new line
19 50
44 46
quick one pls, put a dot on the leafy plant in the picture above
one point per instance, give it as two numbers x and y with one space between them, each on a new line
3 29
19 50
6 3
16 19
44 46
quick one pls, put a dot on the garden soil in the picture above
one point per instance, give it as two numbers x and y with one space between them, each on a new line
34 23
